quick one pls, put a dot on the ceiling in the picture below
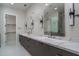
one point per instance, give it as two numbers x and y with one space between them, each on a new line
19 6
59 6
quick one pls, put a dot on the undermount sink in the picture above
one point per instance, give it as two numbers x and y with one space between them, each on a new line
55 40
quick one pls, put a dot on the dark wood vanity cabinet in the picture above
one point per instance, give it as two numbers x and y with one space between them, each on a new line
37 48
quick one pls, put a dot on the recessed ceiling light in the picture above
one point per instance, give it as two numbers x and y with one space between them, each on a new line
55 8
46 4
12 3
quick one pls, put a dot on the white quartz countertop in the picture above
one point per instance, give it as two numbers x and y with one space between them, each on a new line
62 44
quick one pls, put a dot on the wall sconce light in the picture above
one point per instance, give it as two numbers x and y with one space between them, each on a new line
41 21
72 13
32 24
26 25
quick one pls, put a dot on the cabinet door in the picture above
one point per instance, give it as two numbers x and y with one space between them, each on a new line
53 50
33 48
40 49
47 50
43 49
24 41
20 39
62 52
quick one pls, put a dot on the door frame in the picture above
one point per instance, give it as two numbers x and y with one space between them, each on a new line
4 28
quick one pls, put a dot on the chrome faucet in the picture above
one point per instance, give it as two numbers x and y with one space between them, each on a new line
50 35
30 31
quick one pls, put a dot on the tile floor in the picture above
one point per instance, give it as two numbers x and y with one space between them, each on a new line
13 50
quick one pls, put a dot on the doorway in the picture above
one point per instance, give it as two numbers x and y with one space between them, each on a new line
10 28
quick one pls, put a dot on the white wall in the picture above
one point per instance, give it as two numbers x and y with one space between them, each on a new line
0 25
72 33
20 17
75 30
35 12
67 21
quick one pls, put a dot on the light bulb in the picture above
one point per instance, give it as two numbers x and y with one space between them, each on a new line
55 8
46 4
12 3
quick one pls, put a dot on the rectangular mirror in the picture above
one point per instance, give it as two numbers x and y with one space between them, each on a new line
54 22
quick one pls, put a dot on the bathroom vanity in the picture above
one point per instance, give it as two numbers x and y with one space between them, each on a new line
43 46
